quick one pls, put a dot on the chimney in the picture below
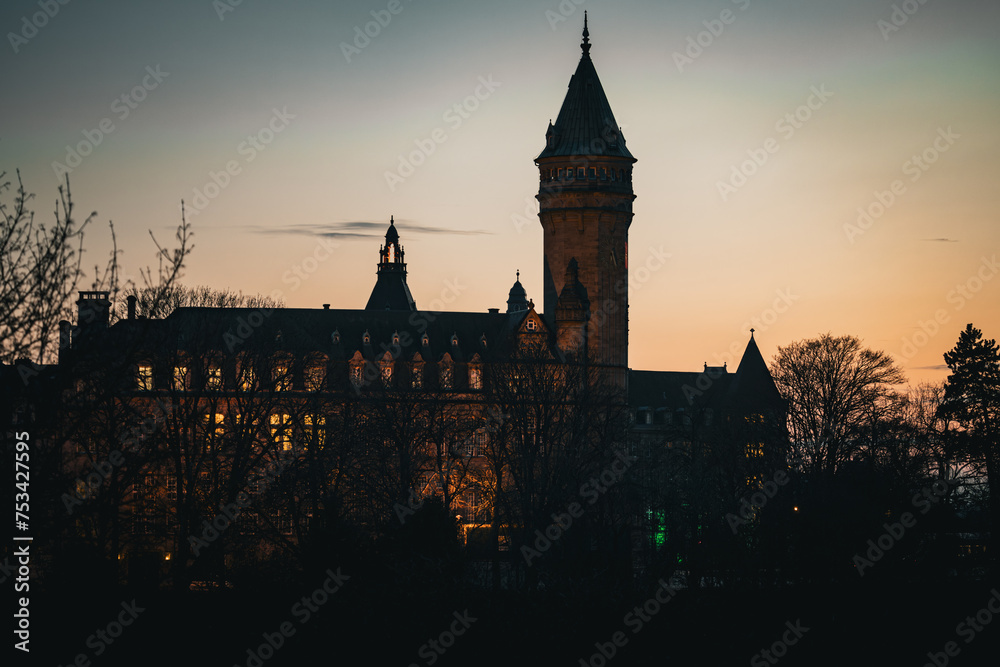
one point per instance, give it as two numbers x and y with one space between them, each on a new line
326 306
131 306
93 311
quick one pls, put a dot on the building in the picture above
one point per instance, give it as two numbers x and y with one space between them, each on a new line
408 399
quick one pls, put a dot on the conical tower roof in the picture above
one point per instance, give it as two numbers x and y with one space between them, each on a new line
585 125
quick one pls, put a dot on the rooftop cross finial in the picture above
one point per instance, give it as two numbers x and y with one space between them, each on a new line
586 37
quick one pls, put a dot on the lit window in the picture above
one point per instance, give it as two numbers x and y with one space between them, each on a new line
213 378
476 442
531 325
357 373
386 373
446 376
755 450
315 426
281 431
214 429
180 378
282 377
248 378
367 338
144 377
314 377
417 376
475 378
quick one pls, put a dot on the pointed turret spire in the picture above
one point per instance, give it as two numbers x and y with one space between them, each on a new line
585 124
390 291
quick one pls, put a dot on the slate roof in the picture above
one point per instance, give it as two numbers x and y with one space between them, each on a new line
585 125
307 330
751 387
391 293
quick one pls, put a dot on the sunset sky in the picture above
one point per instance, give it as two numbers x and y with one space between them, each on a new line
904 123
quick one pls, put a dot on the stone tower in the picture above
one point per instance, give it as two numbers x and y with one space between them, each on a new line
585 207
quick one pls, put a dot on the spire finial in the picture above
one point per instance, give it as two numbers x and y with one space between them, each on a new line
586 36
519 274
751 331
392 221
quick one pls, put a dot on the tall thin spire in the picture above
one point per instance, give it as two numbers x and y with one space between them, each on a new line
586 37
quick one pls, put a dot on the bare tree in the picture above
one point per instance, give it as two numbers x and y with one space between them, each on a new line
833 386
41 269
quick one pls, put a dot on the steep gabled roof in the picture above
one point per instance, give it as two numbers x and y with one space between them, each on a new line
752 384
586 124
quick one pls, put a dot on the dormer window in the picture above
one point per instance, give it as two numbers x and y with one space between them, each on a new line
395 338
531 325
425 341
335 337
454 340
482 340
367 338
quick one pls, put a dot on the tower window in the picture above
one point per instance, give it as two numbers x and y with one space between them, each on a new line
475 378
579 172
562 172
531 325
592 171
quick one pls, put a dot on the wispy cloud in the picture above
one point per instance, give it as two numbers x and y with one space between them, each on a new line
942 240
936 367
357 229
